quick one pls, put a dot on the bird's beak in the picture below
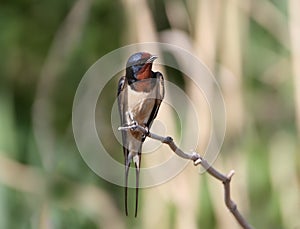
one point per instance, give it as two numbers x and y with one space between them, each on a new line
151 59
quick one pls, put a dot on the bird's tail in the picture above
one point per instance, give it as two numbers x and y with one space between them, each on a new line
127 166
137 164
137 160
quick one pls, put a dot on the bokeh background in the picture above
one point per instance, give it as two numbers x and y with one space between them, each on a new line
253 49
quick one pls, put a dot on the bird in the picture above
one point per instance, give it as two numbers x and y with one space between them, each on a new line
140 93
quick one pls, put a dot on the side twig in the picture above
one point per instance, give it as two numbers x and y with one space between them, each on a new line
198 160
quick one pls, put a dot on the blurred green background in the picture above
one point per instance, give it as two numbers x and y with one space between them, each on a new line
252 47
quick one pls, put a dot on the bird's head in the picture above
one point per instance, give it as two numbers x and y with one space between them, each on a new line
139 66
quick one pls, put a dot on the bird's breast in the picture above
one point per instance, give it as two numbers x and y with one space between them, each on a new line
140 105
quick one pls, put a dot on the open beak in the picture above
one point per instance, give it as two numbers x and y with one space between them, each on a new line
151 59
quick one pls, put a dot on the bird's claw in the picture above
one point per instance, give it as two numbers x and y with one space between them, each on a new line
147 132
134 125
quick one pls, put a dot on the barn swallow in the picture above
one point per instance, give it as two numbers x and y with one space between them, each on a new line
140 93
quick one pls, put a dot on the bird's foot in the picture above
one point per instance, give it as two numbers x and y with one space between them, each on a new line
147 131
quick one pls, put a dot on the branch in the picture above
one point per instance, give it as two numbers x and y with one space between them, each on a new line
198 160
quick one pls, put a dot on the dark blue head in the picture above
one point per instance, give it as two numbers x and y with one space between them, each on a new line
139 66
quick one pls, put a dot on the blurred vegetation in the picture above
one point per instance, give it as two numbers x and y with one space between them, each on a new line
47 46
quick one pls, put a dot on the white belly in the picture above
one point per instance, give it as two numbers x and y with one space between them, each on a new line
140 105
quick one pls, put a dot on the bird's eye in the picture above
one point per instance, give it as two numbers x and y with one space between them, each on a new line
139 65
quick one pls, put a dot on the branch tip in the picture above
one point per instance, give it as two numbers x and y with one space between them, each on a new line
197 161
230 174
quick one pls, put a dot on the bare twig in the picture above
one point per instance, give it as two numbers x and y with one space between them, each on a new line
198 160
